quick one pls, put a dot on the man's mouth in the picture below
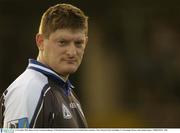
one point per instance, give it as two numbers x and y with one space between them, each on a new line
71 61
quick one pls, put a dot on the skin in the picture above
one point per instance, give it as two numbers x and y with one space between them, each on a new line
62 51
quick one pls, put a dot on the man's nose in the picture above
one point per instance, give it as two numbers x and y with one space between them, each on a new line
71 50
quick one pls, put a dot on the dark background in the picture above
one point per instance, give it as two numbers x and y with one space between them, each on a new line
130 75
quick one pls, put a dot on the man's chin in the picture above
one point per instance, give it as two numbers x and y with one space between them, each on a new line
70 71
67 70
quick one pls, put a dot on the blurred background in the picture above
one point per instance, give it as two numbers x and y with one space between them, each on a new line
130 75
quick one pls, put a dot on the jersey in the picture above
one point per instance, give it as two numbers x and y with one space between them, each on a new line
40 98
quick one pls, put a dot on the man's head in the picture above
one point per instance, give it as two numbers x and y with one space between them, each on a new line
62 38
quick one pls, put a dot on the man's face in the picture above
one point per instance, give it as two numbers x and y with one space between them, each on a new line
63 50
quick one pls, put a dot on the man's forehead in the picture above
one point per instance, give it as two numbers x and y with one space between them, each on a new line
72 31
69 34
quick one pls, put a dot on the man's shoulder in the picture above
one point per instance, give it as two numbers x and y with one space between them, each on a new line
23 95
29 78
28 82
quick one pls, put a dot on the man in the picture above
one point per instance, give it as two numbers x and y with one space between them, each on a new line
42 95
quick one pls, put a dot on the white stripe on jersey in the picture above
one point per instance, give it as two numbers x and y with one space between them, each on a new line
40 107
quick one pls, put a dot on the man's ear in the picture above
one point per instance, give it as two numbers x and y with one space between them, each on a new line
40 41
86 41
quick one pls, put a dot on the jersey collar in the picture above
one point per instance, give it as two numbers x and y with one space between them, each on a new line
37 66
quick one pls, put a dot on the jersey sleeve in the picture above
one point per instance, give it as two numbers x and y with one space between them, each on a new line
16 114
21 102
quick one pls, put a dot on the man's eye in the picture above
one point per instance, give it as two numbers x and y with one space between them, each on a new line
79 44
62 43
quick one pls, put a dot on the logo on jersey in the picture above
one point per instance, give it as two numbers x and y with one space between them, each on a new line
76 105
13 124
20 123
73 105
66 112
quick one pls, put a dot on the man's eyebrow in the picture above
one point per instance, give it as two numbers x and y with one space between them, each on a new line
80 39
